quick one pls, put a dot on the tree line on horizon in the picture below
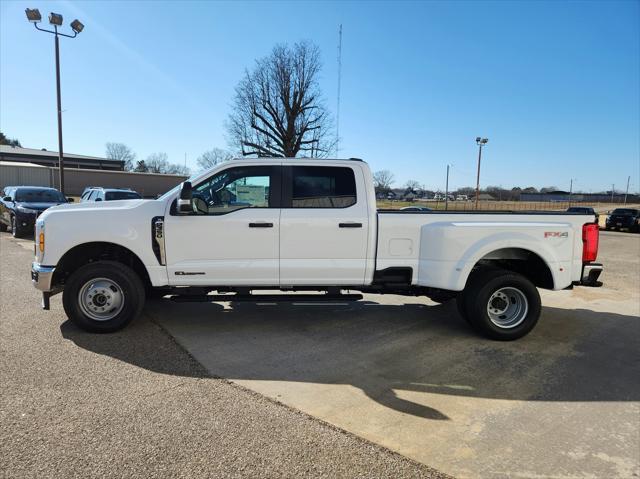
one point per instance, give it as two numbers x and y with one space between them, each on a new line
383 181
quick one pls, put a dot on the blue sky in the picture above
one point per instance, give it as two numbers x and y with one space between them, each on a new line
553 85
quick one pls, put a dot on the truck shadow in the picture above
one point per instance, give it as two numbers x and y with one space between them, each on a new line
572 355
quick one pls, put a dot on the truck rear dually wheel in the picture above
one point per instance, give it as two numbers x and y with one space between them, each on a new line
501 304
103 296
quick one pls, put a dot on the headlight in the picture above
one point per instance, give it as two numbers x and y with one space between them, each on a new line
22 209
39 246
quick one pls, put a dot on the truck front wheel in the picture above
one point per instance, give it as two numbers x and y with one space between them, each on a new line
501 304
103 296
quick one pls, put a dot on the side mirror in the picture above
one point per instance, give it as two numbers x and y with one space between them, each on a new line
98 199
70 200
185 199
7 198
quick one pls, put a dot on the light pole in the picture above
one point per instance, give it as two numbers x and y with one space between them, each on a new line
55 19
570 191
626 193
481 142
446 191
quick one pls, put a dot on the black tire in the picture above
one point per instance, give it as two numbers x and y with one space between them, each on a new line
3 227
520 299
131 290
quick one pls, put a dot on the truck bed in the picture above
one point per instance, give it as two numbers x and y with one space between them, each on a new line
442 247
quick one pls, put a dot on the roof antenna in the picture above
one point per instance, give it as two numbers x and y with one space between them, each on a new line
339 80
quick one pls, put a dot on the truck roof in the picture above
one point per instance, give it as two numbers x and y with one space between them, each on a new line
294 160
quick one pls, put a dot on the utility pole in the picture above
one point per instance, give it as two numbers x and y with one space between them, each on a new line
481 142
613 188
446 191
338 99
570 191
627 190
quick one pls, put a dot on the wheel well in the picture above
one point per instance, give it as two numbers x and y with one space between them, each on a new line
522 261
89 252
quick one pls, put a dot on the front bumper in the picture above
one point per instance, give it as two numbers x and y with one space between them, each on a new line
42 276
42 279
26 221
590 274
620 223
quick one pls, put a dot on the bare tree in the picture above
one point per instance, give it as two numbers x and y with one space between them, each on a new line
382 180
412 185
213 157
140 167
120 152
278 109
159 163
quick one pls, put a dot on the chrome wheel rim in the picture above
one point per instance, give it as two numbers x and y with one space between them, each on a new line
101 299
507 307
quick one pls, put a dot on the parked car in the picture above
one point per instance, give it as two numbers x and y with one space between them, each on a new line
584 210
624 218
415 208
96 193
21 205
294 224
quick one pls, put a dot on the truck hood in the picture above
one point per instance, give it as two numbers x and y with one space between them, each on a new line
107 208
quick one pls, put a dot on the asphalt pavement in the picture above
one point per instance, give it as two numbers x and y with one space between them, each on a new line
135 404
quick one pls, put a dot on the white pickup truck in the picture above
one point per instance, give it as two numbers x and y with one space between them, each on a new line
302 226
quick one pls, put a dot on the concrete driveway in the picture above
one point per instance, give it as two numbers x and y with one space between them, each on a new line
410 375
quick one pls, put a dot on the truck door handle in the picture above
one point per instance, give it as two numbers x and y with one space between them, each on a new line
350 225
260 225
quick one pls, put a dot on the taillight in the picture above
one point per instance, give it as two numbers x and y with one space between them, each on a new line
590 237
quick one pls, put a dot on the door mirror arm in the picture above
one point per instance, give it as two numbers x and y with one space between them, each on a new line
185 200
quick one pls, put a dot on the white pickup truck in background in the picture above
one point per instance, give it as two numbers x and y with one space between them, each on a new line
303 225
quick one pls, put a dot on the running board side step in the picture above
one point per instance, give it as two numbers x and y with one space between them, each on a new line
265 298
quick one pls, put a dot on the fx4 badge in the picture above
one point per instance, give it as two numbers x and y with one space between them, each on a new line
556 234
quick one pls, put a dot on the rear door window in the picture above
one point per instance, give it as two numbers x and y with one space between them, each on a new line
322 187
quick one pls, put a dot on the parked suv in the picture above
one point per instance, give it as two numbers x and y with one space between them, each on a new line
108 194
620 218
21 205
583 210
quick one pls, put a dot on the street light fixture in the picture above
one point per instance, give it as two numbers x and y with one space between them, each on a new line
33 15
55 19
77 26
481 142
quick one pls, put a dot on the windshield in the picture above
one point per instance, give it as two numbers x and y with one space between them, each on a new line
624 212
579 210
39 196
122 195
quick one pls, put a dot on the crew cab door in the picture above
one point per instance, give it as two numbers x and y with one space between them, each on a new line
324 226
232 236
